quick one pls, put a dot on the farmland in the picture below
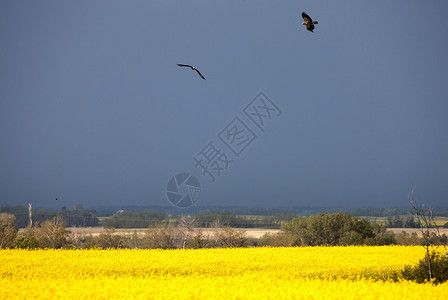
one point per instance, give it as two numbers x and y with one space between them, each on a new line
250 232
295 272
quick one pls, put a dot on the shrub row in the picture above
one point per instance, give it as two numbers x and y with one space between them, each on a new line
321 229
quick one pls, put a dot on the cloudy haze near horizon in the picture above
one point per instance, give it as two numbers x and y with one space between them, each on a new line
95 111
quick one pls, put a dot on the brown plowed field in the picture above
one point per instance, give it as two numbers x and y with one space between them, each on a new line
250 232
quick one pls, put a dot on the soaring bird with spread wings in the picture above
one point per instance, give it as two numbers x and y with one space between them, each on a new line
193 68
308 22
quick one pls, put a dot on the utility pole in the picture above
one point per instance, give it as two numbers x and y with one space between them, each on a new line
30 216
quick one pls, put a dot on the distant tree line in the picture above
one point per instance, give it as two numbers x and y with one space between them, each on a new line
307 211
78 216
321 229
254 211
139 219
398 221
302 211
145 218
231 220
75 216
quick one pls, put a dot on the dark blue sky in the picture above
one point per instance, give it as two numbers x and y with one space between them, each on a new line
94 110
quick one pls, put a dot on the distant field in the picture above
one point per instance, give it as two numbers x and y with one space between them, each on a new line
382 220
411 230
250 232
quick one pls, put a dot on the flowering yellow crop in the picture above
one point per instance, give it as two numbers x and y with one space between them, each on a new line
243 273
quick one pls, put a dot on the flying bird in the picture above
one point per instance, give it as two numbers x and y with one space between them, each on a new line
308 22
193 68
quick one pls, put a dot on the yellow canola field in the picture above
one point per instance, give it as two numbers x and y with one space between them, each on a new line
243 273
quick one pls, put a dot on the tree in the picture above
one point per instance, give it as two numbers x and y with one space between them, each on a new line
279 239
407 239
394 221
198 239
52 233
334 229
161 236
419 272
186 229
428 229
27 239
20 211
8 230
228 237
109 240
80 240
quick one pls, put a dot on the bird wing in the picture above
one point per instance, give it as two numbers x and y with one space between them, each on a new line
310 26
199 73
181 65
306 17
